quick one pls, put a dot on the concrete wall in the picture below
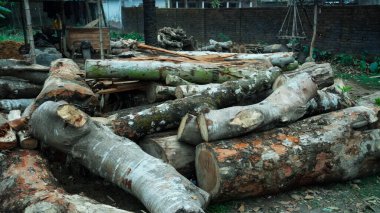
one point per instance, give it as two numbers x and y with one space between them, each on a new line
352 29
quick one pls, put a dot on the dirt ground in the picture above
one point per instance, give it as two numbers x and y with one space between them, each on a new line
362 195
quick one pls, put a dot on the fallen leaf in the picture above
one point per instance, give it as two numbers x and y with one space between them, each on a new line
241 208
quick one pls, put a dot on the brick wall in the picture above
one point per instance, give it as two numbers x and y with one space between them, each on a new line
352 29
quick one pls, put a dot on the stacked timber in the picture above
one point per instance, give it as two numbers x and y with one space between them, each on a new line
237 123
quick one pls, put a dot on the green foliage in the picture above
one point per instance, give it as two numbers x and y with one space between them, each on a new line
3 9
220 208
318 55
345 59
222 37
9 34
377 101
215 3
374 67
133 35
345 89
362 79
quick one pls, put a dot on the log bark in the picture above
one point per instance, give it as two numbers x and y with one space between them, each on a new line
324 148
194 71
225 45
169 114
157 92
28 186
166 147
23 134
17 88
116 159
7 105
189 90
284 105
173 80
34 73
66 82
323 74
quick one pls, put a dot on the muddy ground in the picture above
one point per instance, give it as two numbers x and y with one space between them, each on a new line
362 195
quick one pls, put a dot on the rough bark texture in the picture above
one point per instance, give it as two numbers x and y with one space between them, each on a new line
173 80
284 105
8 138
66 82
28 186
189 90
12 104
169 114
32 72
16 88
156 93
324 148
116 159
166 147
194 71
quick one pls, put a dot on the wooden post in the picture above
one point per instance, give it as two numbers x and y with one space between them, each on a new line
314 29
100 17
29 31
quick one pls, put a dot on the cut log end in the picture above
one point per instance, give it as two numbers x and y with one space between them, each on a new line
182 126
8 139
207 170
202 123
72 115
178 92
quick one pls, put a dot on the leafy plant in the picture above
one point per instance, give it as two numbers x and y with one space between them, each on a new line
133 35
345 59
377 101
222 37
345 89
215 3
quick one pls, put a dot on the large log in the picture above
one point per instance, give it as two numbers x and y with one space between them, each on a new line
156 92
119 160
169 114
15 88
284 105
66 82
7 105
166 147
28 186
21 69
324 148
155 70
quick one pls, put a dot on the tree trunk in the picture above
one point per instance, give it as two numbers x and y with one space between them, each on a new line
7 105
319 149
322 74
166 147
17 88
66 82
156 92
173 80
284 105
116 159
168 115
194 71
34 73
29 186
189 90
150 27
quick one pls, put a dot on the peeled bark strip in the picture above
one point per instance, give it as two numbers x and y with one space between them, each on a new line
66 82
173 80
284 105
169 114
34 73
7 105
17 88
189 90
166 147
194 71
156 92
116 159
28 186
319 149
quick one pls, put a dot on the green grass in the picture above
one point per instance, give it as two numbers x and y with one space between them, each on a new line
8 34
362 79
221 208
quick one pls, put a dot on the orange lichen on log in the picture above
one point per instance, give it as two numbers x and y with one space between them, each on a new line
225 153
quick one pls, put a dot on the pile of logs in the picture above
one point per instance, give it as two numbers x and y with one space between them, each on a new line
238 123
175 39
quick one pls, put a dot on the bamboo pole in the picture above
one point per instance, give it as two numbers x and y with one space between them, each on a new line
29 31
314 29
100 16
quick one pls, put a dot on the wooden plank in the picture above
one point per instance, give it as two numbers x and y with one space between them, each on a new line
88 34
